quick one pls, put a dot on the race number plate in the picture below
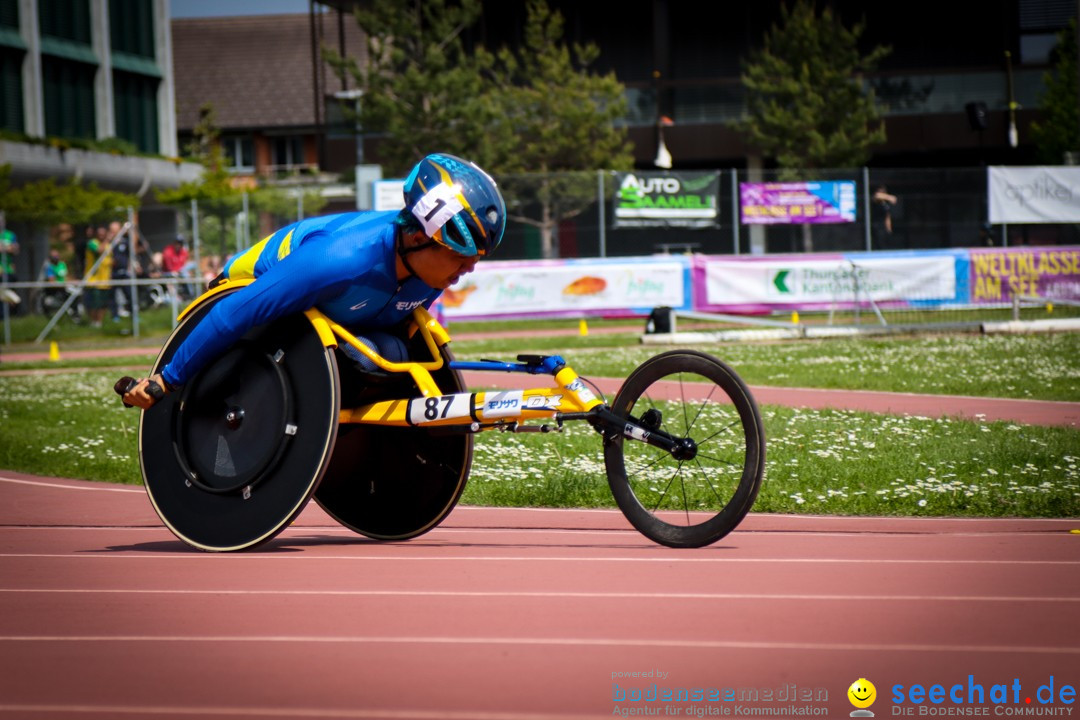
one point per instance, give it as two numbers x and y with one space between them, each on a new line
439 407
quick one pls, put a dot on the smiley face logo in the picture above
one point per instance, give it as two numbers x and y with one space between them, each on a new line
862 693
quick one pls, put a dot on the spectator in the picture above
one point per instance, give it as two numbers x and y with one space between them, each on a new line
56 270
881 217
174 257
9 248
98 288
145 267
121 270
79 243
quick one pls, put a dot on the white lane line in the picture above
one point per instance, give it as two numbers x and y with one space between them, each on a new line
550 595
104 488
306 530
240 557
571 642
843 519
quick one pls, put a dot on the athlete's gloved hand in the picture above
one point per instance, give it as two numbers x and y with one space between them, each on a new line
141 393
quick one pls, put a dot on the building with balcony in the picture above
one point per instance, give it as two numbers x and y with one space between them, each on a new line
264 78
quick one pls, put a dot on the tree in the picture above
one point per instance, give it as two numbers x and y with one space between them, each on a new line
45 203
555 119
807 103
537 118
1059 132
422 89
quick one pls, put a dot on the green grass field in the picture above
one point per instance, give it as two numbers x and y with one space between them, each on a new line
70 424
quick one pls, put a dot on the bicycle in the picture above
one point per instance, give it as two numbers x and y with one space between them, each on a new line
230 459
48 300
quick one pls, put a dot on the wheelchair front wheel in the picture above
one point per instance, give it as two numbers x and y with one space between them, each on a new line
693 501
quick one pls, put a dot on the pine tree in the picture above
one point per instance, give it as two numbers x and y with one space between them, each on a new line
1059 131
536 117
807 103
422 89
555 121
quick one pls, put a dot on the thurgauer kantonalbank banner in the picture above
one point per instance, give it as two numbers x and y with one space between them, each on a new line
667 199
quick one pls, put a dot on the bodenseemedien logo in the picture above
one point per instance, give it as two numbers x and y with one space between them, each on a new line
862 695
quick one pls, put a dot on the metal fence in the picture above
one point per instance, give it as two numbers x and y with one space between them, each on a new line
934 208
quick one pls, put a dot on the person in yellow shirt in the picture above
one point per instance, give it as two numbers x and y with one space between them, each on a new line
98 287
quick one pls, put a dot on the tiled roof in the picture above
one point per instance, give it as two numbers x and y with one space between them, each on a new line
255 70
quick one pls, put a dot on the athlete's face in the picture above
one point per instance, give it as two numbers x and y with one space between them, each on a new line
441 267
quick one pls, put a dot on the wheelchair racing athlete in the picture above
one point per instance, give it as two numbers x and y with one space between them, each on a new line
364 270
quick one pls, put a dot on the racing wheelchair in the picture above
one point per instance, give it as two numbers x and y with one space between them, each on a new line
232 457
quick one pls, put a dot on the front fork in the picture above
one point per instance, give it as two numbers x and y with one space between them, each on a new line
645 429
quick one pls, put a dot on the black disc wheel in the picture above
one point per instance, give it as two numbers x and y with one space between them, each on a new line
232 457
391 483
699 493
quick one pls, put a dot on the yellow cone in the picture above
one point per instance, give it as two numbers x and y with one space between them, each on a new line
1049 308
795 318
54 351
583 328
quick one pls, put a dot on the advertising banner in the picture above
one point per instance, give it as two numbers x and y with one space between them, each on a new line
797 202
823 281
569 288
667 199
999 274
1046 194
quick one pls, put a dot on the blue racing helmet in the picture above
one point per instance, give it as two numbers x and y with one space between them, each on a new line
457 204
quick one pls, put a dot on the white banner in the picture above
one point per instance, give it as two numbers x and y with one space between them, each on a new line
829 281
388 194
558 287
1046 194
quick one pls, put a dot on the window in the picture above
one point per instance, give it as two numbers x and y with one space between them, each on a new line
135 106
288 151
68 88
240 153
11 90
131 27
9 13
65 19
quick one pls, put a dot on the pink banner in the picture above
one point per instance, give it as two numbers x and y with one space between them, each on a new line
999 274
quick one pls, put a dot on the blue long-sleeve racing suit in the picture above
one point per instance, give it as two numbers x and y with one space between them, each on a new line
342 264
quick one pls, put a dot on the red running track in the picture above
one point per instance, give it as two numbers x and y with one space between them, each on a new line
515 614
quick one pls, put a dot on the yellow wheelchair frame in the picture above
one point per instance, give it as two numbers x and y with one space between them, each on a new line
716 465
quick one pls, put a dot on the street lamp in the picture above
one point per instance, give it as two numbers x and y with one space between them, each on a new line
355 95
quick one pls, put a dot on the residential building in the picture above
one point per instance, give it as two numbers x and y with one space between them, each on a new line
263 77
